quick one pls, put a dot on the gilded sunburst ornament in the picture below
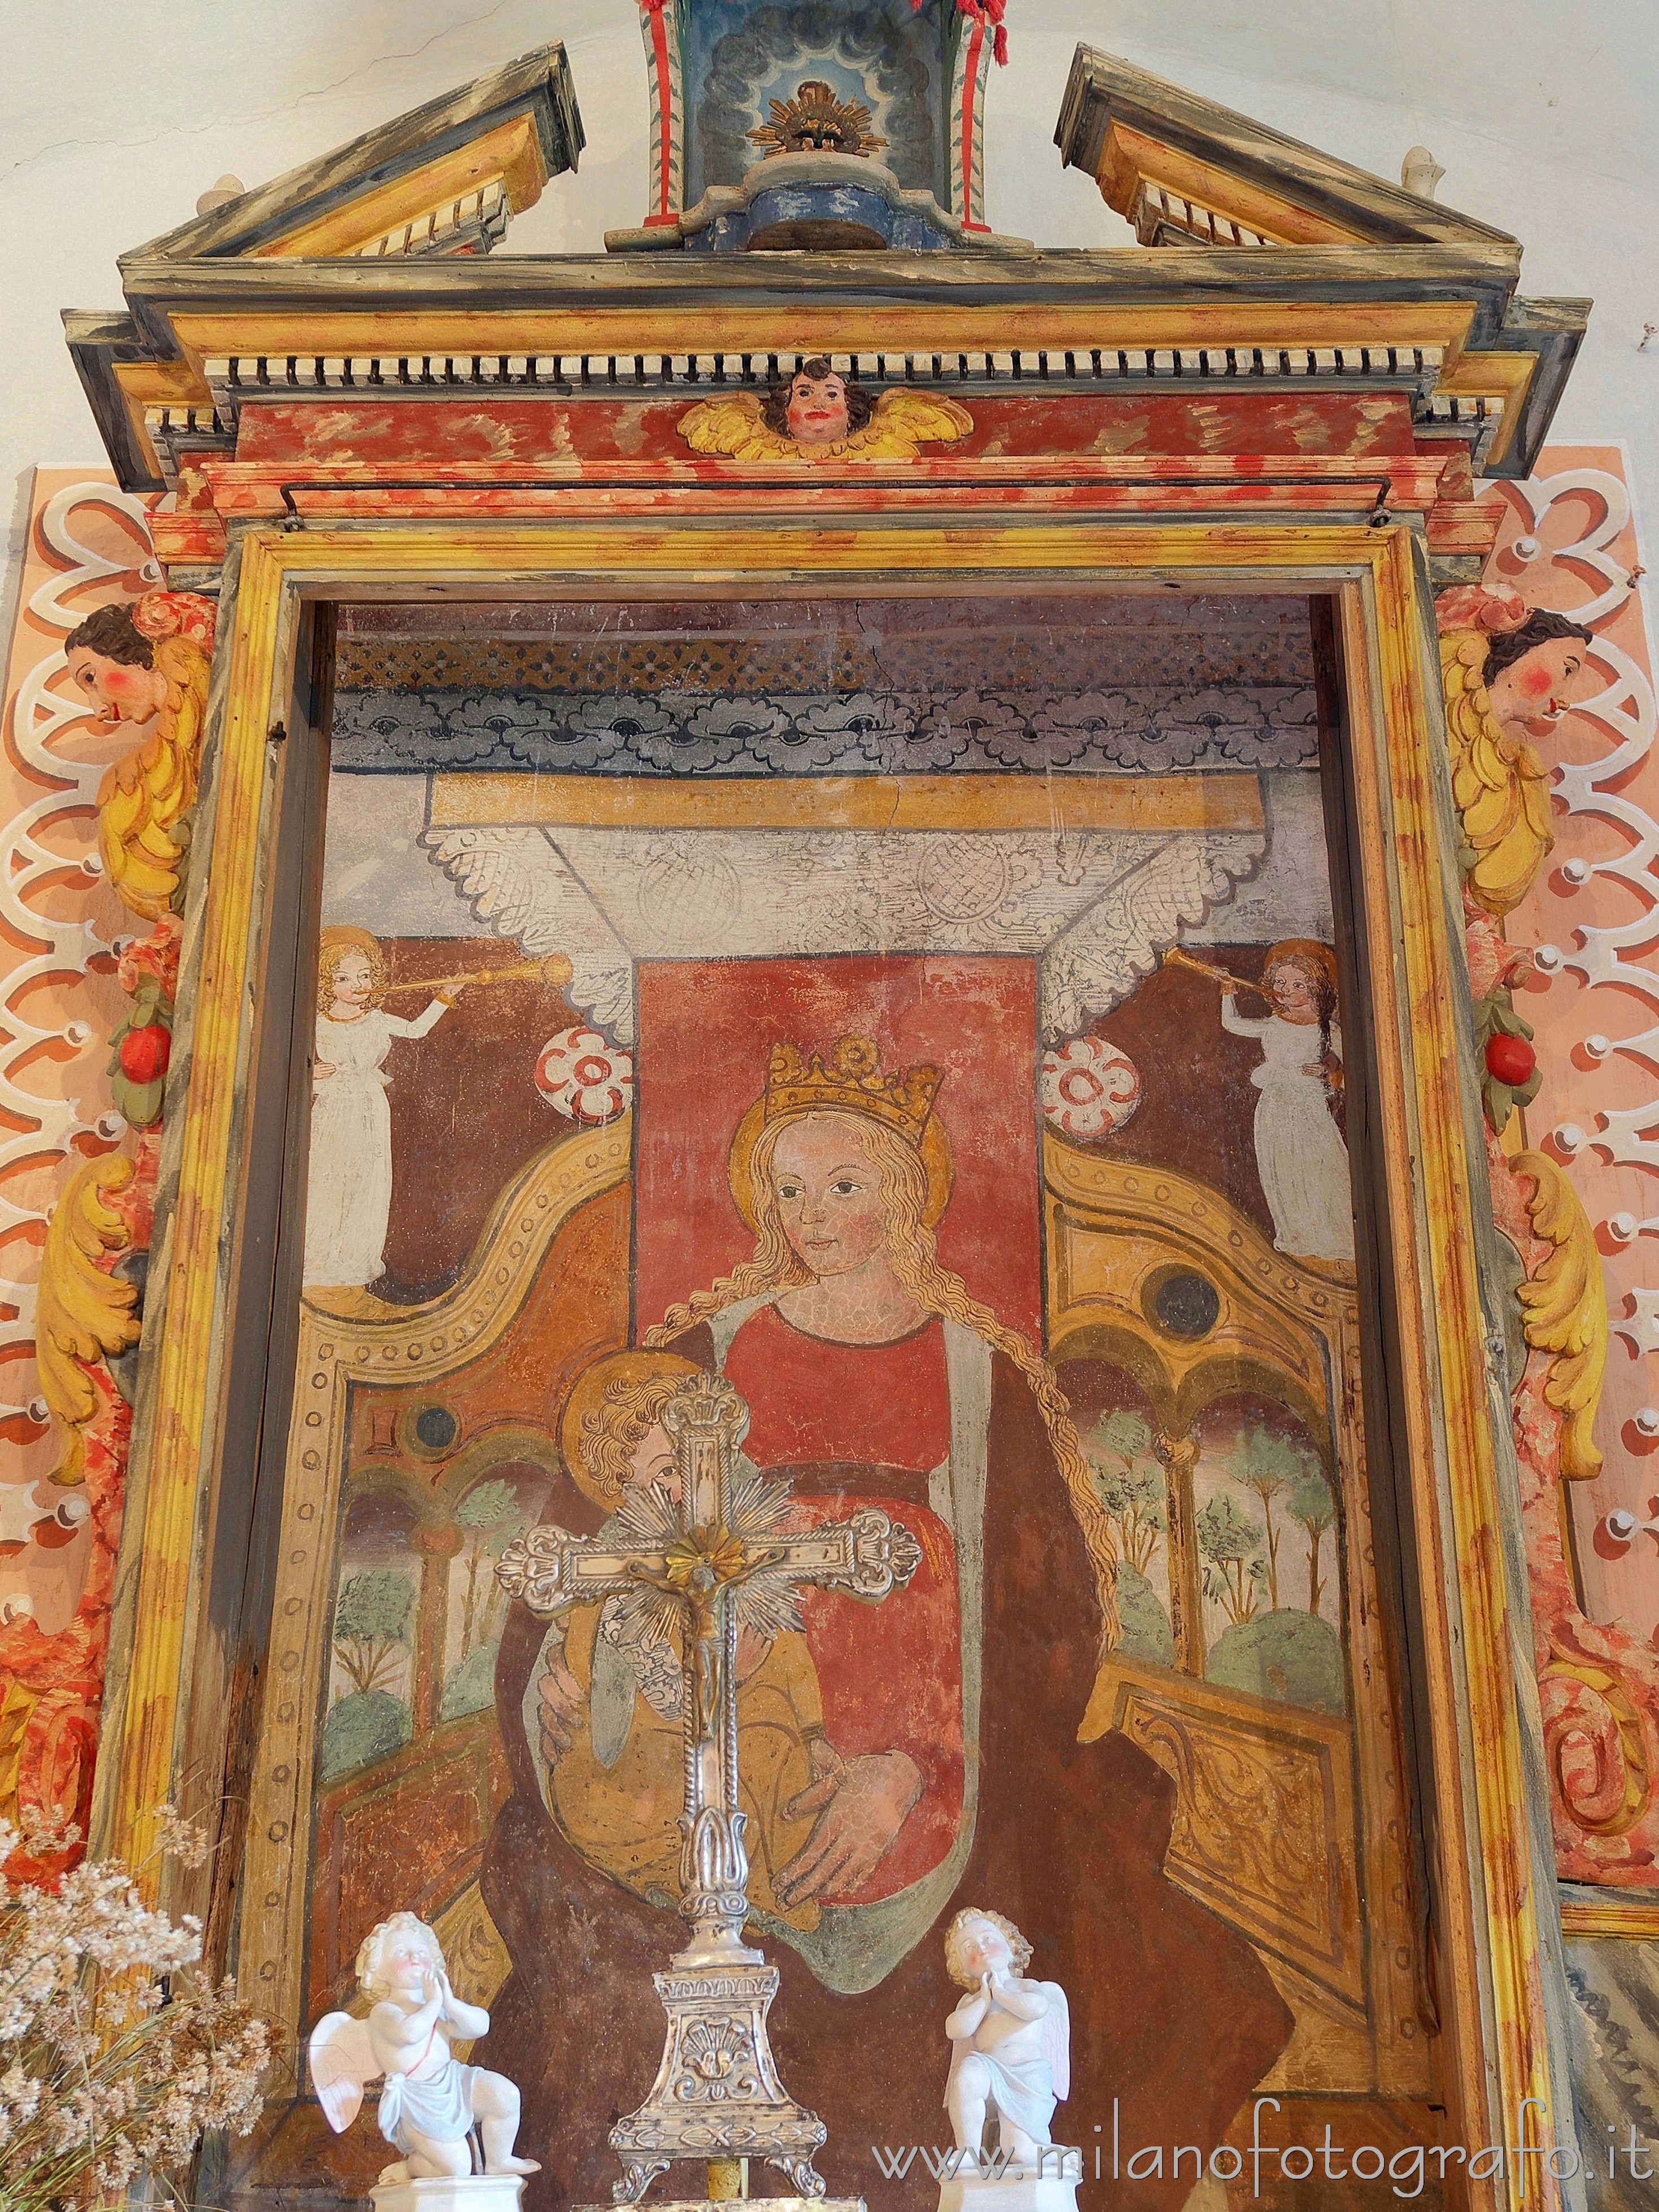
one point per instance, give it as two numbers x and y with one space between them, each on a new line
815 122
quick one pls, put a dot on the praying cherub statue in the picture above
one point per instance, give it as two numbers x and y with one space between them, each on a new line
431 2102
1011 2041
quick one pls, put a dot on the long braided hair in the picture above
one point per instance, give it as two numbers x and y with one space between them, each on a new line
936 1289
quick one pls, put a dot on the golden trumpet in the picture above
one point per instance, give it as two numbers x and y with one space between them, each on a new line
1225 976
555 968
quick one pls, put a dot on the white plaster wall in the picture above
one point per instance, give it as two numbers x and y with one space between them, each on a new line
114 114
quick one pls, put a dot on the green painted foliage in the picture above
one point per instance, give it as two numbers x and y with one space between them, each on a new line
1291 1656
1224 1533
365 1726
374 1608
1146 1631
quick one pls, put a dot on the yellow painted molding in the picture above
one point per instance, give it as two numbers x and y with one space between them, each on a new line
863 802
1130 158
144 384
1629 1919
765 327
1502 2056
1506 377
510 153
176 1468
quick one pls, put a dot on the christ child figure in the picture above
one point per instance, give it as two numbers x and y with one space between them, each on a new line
1010 2040
431 2102
610 1702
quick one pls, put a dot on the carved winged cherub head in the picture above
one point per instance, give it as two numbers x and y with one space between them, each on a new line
819 406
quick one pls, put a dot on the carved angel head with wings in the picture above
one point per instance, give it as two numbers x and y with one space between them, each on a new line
821 414
817 405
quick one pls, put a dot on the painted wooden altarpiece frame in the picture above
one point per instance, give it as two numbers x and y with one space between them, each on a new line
246 923
224 1595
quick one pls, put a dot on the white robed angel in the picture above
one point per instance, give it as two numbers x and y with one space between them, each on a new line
1300 1155
431 2102
349 1189
1011 2040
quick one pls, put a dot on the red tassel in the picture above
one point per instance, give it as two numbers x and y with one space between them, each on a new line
1000 47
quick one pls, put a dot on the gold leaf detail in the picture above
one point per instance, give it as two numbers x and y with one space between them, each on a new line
815 122
144 797
1500 784
1565 1307
81 1311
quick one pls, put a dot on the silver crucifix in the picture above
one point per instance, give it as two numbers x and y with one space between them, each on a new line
717 1558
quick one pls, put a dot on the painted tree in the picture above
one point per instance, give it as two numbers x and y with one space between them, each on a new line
1270 1465
1130 1481
1229 1542
489 1517
1312 1504
371 1624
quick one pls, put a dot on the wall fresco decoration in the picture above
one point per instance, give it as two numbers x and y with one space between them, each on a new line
1550 720
838 687
820 1053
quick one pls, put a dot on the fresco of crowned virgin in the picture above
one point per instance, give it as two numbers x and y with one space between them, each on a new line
925 1014
897 1759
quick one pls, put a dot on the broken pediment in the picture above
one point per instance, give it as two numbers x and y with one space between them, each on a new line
1187 172
438 185
446 178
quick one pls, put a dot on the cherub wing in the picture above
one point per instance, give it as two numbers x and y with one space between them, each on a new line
732 425
343 2063
1057 2039
906 418
520 885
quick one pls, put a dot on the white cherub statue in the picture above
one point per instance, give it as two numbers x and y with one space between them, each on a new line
431 2102
1011 2041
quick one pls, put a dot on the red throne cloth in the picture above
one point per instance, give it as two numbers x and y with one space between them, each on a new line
1172 2013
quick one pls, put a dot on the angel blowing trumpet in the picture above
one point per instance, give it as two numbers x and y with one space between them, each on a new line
431 2103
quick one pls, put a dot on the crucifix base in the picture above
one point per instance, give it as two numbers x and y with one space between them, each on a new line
717 2094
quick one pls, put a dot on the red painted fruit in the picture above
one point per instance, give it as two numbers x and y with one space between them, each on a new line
1510 1060
145 1054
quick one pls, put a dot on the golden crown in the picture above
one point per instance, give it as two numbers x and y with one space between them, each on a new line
851 1079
